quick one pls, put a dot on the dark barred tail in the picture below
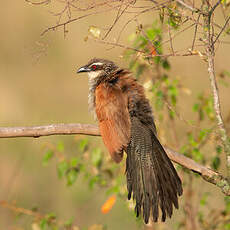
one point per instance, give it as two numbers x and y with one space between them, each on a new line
151 176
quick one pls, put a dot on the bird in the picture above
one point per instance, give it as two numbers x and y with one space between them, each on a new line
126 124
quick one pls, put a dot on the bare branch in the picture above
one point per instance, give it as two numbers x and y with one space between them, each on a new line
217 108
21 210
73 20
206 173
119 14
212 76
186 54
47 130
186 5
67 129
45 2
223 28
195 32
213 8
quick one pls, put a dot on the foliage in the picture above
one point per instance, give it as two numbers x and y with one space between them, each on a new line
146 56
164 93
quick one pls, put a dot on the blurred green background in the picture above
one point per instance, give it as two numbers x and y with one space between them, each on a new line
39 85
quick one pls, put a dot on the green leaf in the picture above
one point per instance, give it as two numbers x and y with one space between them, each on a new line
201 114
227 73
216 162
152 33
51 216
62 167
227 226
204 198
74 162
202 134
166 65
157 59
115 189
69 222
129 53
71 177
227 204
48 155
173 90
160 94
93 180
132 64
44 224
171 114
140 70
201 216
196 107
83 144
96 157
159 100
192 141
197 155
173 100
60 146
219 149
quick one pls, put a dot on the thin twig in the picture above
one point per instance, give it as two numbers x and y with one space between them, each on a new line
187 54
45 2
170 38
187 6
73 20
213 9
223 28
119 14
195 32
21 210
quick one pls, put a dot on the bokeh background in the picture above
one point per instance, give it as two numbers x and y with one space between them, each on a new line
39 85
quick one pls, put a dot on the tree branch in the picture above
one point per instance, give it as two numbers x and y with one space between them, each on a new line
47 130
66 129
210 52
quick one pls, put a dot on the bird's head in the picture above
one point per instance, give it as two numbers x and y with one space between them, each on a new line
97 68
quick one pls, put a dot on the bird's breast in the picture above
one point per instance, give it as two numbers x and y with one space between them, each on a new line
91 97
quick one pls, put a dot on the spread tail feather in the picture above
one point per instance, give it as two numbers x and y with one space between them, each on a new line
151 177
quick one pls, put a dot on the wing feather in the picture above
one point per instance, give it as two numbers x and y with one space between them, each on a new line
114 120
151 177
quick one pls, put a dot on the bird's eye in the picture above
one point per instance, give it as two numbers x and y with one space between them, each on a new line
94 67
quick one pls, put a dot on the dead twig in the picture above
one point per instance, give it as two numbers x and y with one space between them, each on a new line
45 2
222 30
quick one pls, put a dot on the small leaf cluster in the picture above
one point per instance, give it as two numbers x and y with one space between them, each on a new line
148 41
88 162
204 107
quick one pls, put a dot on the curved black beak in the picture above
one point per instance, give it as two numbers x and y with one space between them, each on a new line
83 69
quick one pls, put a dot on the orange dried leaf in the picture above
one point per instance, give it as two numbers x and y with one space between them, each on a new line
107 206
152 50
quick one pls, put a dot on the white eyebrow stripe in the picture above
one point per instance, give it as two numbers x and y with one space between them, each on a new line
96 63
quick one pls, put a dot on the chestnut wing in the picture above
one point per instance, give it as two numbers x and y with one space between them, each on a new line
114 120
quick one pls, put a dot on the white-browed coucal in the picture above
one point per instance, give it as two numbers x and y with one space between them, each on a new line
126 124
